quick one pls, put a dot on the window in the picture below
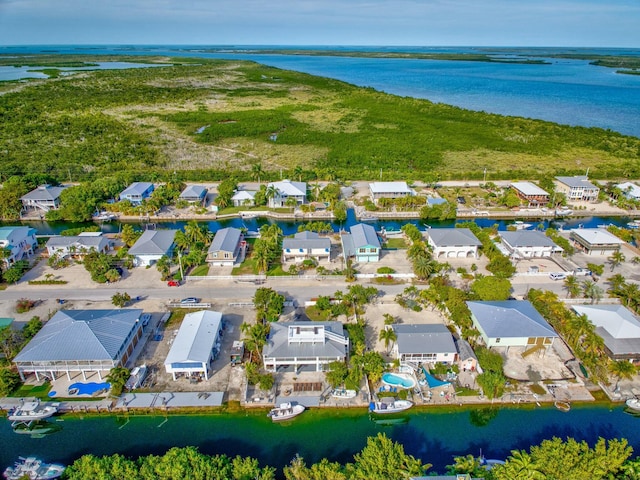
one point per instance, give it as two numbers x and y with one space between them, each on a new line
362 250
497 340
215 255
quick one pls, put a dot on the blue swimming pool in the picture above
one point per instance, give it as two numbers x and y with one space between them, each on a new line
89 388
402 380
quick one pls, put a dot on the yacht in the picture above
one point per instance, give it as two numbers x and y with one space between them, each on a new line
285 411
33 469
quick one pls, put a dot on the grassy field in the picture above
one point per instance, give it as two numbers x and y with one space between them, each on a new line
219 118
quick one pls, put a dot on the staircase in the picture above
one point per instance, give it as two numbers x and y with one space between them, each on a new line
534 349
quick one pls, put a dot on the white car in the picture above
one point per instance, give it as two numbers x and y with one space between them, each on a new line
557 276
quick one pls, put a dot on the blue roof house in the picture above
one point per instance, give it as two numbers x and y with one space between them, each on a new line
137 192
362 243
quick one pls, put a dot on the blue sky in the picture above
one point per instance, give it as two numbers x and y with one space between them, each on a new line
588 23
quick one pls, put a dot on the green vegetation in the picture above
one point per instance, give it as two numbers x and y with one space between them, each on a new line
11 342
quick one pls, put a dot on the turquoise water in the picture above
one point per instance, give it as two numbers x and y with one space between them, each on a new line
434 435
396 381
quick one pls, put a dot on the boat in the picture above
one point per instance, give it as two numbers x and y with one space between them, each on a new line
389 421
489 463
562 406
33 469
31 411
520 225
343 393
633 404
634 224
138 374
393 407
285 411
369 218
563 211
104 216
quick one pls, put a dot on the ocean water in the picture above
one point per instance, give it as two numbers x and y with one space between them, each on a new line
565 91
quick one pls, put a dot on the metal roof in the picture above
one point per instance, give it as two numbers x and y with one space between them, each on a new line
306 240
527 238
290 189
10 234
528 188
390 187
81 240
244 195
421 338
44 193
364 235
278 345
453 237
578 181
193 191
618 327
81 335
136 188
597 236
153 242
196 338
630 190
226 240
510 319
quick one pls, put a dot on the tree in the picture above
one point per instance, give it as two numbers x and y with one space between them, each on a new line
118 377
9 380
164 267
324 470
271 193
572 286
257 172
120 299
129 235
616 259
622 369
384 459
592 291
490 288
337 373
388 335
519 466
424 267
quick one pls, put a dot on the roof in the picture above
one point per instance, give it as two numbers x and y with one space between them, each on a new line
44 193
82 240
153 242
364 235
630 190
290 189
278 345
597 236
617 325
527 238
528 188
390 187
81 335
193 191
420 338
196 338
452 237
226 240
578 181
19 232
244 195
465 352
510 319
136 189
306 240
436 201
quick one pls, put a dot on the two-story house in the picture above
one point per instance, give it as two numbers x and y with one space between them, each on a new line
577 188
137 192
285 190
362 244
306 245
20 243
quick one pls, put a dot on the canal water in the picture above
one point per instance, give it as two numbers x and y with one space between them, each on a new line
434 435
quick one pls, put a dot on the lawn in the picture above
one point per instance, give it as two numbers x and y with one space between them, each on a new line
395 243
37 391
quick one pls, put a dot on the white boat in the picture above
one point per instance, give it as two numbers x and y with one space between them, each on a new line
138 374
564 211
633 403
104 216
343 393
285 411
33 469
519 225
634 224
393 407
31 411
369 218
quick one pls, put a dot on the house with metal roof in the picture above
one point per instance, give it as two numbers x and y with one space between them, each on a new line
617 326
285 190
196 345
530 193
595 241
577 187
81 341
227 248
306 245
362 243
44 198
528 244
19 241
379 190
137 192
453 242
629 190
78 245
426 343
152 246
244 198
305 345
194 194
511 323
466 356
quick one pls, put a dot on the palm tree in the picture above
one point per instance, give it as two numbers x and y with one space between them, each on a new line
297 172
616 259
388 336
592 291
424 267
271 193
117 377
622 369
261 257
572 286
630 294
577 327
256 172
520 466
617 282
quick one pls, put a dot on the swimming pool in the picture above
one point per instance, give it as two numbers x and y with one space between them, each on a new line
402 380
89 388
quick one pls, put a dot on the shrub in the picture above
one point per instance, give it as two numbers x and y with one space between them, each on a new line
24 305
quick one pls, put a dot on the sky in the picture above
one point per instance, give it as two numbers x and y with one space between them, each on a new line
563 23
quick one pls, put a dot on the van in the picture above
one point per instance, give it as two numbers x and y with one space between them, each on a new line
557 276
582 272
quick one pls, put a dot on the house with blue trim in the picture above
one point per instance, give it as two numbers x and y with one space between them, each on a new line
137 192
362 244
20 241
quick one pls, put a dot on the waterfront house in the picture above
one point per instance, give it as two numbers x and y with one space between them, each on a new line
227 248
595 241
617 326
137 192
311 346
152 246
511 323
531 193
244 198
453 242
467 359
81 341
195 346
44 198
528 244
306 245
20 243
577 188
286 189
426 343
629 190
379 190
362 243
78 245
196 194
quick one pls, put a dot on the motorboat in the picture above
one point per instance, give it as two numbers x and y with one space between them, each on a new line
32 411
138 374
633 404
37 429
634 224
343 393
393 407
33 469
285 411
562 406
104 216
520 225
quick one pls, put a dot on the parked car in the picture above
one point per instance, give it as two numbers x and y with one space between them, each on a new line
461 200
189 300
582 272
173 283
557 276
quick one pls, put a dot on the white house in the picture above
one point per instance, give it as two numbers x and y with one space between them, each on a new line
453 242
78 245
577 188
44 198
194 194
430 343
137 192
380 190
244 198
595 241
286 189
630 190
152 246
196 345
21 243
528 244
306 245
